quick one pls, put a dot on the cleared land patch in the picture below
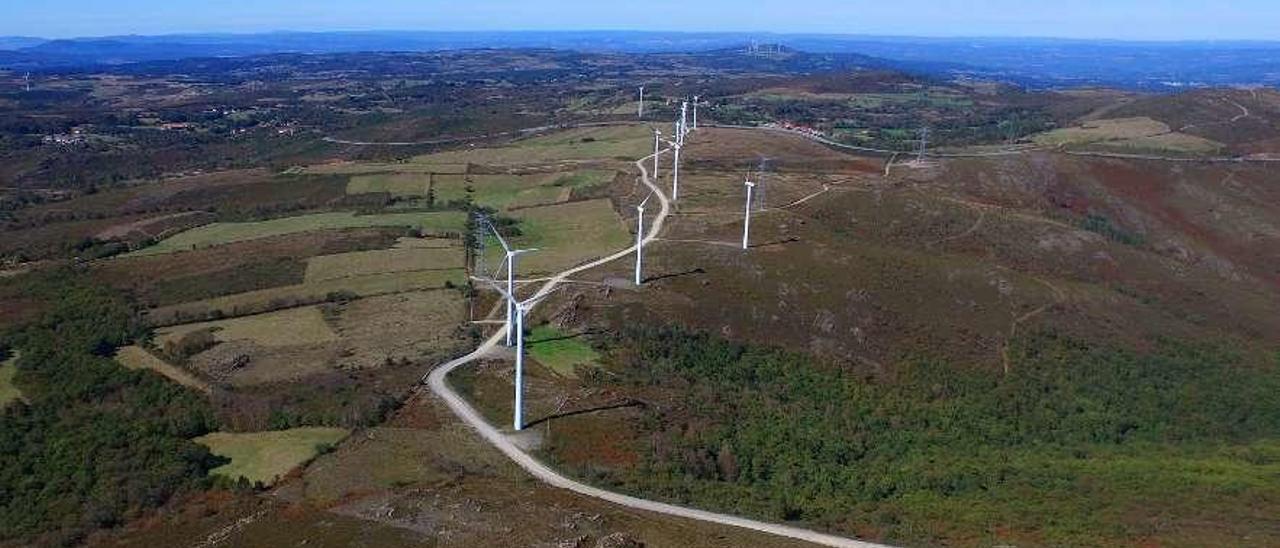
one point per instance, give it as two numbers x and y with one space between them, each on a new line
136 357
223 233
8 392
404 326
268 456
1128 134
293 327
559 351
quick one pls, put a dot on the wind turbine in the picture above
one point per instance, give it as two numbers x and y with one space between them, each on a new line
511 279
746 223
695 112
640 237
521 308
684 120
657 140
26 79
676 146
641 114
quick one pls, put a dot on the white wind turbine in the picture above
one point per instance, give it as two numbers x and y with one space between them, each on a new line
684 120
521 308
640 237
657 141
695 112
746 222
510 262
676 146
641 113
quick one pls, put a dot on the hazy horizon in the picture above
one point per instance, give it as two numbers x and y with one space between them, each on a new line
1122 20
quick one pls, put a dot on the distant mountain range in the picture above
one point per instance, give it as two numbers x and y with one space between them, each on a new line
1029 61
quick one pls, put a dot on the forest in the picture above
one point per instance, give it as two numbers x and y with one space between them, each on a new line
1103 438
95 444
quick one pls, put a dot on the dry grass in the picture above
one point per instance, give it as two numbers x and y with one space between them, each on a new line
1103 130
136 357
363 286
405 326
293 327
365 263
223 233
268 456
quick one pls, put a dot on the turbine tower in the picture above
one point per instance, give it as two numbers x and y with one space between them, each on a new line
746 222
640 238
675 171
26 79
695 112
521 308
684 120
641 113
657 140
511 273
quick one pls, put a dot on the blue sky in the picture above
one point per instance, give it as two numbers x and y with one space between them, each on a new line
1123 19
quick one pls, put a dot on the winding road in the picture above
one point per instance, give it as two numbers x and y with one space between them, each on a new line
438 383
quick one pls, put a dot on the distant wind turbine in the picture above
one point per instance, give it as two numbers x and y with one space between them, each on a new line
746 222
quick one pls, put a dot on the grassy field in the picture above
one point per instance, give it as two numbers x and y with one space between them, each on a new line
8 392
292 327
498 191
596 143
1135 135
560 351
268 456
366 263
136 357
262 300
223 233
396 183
565 235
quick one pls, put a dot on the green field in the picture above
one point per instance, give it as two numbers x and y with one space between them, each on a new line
292 327
559 351
595 143
565 235
8 392
268 456
496 191
223 233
